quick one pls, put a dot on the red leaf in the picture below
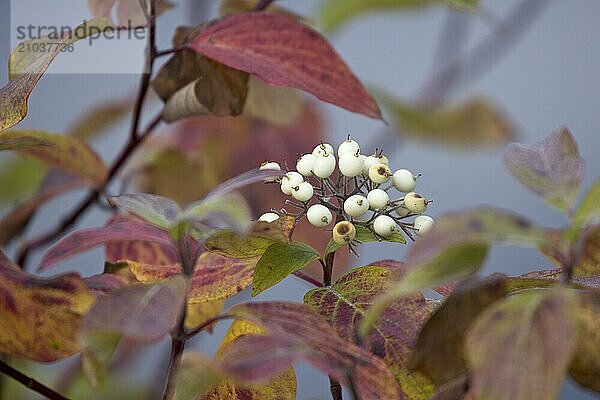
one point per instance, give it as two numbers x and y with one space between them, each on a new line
284 52
83 240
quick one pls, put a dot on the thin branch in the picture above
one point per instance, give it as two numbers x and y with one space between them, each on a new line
166 52
335 388
30 382
485 54
308 278
205 325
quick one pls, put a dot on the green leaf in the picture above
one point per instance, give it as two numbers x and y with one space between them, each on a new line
585 364
453 263
158 210
279 261
27 67
552 168
520 348
468 5
335 13
19 176
63 152
228 243
439 352
472 123
365 235
344 305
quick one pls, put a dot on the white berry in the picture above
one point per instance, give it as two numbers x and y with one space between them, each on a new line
350 164
378 199
319 215
289 180
356 205
415 203
324 165
423 223
379 173
384 225
302 192
348 146
305 164
322 149
404 180
269 217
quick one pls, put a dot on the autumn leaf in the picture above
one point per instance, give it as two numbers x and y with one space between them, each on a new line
115 231
474 123
280 260
59 151
552 168
144 313
297 57
129 13
54 306
588 212
439 351
293 332
214 278
588 261
344 305
521 346
54 184
26 69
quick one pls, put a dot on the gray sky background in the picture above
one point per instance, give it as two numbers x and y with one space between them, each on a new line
550 78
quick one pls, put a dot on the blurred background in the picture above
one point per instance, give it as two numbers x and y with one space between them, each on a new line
535 63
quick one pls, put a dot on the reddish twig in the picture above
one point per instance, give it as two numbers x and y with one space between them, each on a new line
262 4
30 382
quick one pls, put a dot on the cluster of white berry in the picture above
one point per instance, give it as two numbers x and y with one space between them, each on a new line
351 193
